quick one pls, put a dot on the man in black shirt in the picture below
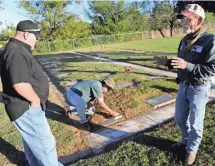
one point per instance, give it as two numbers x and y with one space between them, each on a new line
25 92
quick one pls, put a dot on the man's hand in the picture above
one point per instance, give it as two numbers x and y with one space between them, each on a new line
115 114
178 63
160 60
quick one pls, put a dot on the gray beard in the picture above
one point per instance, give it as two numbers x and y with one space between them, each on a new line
187 30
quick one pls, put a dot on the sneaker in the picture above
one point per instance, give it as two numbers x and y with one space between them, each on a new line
90 111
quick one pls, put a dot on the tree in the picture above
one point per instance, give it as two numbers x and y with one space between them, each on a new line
53 17
9 31
108 17
138 17
1 8
163 16
209 17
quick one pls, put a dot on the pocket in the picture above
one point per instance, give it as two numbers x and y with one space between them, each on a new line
202 90
36 111
37 115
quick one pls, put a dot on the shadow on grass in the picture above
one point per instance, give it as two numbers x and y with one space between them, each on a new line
55 112
164 89
165 145
12 154
129 59
1 101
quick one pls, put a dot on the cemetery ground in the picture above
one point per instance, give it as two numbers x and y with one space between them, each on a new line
133 89
153 147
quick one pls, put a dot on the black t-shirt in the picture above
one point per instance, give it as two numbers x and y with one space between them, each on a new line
19 66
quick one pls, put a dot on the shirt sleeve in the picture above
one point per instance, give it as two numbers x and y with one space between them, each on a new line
97 90
18 69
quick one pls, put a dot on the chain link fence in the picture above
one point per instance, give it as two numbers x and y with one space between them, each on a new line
63 45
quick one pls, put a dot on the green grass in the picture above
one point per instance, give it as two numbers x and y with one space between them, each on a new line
152 147
140 58
167 44
69 139
130 102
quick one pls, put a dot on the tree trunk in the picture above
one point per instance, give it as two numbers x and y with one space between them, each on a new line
171 28
161 32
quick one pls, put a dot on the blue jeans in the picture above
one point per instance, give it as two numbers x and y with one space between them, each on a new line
80 105
39 143
190 112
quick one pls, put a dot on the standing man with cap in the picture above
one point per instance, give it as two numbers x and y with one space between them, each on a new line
25 92
84 92
196 66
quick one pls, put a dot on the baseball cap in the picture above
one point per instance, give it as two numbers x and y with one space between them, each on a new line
29 26
190 10
109 82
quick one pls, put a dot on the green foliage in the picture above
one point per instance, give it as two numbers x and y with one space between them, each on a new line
113 17
6 33
163 17
56 22
209 17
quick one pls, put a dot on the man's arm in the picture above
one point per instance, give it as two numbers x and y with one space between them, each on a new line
106 108
25 90
19 74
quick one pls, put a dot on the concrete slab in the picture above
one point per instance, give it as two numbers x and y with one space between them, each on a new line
111 121
156 77
166 73
66 160
128 84
161 100
118 131
104 75
162 115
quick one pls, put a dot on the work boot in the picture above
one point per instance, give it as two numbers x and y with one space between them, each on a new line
190 159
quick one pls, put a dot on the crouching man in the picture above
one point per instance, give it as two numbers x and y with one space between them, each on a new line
84 92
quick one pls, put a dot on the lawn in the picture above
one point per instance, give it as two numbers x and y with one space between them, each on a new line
154 147
69 139
134 57
165 45
66 68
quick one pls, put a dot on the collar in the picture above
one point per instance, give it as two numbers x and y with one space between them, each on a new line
28 47
193 35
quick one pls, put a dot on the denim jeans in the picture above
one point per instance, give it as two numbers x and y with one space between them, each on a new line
39 143
190 112
76 101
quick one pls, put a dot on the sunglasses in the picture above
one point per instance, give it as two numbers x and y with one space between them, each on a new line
36 35
187 19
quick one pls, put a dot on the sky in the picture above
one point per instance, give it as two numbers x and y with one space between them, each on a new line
13 14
